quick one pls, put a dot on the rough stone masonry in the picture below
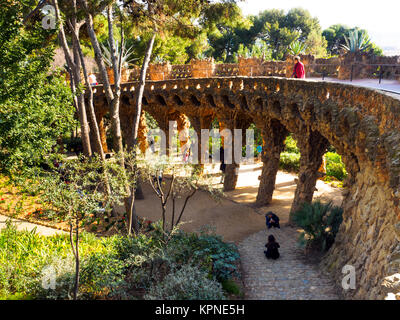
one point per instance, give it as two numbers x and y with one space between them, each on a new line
362 124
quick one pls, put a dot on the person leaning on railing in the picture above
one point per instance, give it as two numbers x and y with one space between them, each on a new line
299 70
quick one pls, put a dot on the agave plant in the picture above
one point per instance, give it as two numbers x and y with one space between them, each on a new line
320 222
356 41
126 56
297 47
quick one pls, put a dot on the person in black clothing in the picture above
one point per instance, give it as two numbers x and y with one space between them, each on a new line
272 220
223 165
272 246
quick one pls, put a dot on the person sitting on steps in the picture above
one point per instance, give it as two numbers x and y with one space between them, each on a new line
272 246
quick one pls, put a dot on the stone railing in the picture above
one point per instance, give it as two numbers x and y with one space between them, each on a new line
344 67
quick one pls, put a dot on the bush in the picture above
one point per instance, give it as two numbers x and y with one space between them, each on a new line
230 286
26 256
291 145
115 267
186 283
334 166
206 250
223 256
290 161
320 222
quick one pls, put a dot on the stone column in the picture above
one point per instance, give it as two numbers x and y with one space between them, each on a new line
103 135
274 135
142 133
231 169
199 123
183 132
312 148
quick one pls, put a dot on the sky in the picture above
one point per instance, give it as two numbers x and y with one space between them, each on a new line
381 18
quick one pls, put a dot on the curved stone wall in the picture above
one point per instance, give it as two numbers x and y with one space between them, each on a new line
362 124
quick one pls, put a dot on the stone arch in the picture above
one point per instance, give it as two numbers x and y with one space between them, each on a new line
362 124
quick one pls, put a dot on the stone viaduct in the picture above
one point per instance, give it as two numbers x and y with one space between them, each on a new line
362 124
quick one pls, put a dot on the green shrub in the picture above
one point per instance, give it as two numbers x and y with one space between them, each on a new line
223 256
291 145
186 283
231 287
334 166
115 267
290 161
206 250
25 256
320 222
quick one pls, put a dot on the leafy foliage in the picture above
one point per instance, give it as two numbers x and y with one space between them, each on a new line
296 48
35 106
320 222
356 41
76 190
208 250
126 57
25 254
279 30
291 145
116 267
334 166
336 37
290 161
186 283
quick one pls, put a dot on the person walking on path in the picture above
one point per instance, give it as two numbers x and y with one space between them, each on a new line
299 70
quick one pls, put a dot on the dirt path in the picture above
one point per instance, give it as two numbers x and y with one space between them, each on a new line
234 217
25 225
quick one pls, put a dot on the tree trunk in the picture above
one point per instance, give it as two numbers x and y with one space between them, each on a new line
74 66
142 82
115 104
75 252
231 176
98 148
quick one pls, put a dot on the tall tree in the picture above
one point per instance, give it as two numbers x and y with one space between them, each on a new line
35 106
336 39
156 15
227 29
74 64
279 30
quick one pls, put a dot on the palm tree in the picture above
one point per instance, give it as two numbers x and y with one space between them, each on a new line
356 41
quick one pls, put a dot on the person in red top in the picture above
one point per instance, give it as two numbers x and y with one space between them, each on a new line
299 71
